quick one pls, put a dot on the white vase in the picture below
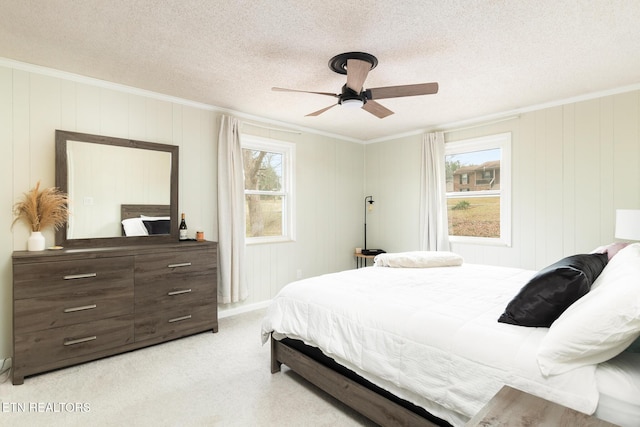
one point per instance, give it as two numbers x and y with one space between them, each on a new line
35 241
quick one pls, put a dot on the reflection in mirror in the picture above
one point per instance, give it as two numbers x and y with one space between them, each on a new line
104 177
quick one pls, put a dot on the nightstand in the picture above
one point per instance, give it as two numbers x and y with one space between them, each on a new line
511 408
361 260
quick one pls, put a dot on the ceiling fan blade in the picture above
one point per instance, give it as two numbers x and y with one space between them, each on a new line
280 89
357 71
405 90
376 109
317 113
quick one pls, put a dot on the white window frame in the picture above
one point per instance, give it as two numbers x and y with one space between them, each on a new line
288 151
503 142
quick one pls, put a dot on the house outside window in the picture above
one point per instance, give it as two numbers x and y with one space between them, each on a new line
478 189
268 187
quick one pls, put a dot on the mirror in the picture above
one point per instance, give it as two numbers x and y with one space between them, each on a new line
109 180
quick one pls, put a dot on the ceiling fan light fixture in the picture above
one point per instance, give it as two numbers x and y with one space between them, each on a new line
354 95
352 103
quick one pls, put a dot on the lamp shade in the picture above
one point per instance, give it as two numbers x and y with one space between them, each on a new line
628 224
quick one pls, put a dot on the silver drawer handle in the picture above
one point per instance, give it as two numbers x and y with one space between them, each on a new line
80 340
181 264
80 276
180 292
179 319
81 308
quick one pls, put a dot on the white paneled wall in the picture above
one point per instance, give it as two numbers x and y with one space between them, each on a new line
393 179
330 173
573 165
7 177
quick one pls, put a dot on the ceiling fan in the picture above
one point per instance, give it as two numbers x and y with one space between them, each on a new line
356 65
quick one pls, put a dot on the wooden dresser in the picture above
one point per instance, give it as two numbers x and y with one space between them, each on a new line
72 306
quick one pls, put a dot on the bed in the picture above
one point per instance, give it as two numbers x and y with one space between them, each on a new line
421 345
144 220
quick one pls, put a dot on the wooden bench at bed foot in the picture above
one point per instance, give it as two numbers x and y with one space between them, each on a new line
511 407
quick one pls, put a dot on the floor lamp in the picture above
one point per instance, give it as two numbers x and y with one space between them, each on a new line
369 200
368 204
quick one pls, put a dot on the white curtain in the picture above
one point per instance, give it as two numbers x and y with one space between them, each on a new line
434 233
232 286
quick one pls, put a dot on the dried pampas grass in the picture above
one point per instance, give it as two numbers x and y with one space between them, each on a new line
41 209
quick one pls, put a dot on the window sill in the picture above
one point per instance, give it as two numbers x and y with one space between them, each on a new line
267 240
485 241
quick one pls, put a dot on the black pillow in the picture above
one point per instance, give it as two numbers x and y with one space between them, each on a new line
158 226
541 301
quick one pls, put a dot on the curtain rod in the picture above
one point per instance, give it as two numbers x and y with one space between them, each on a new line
270 128
504 119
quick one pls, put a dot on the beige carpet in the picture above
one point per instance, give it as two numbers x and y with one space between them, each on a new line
207 379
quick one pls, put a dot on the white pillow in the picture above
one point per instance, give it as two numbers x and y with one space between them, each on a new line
134 227
601 324
418 259
154 218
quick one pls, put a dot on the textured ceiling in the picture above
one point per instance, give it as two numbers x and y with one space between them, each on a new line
489 57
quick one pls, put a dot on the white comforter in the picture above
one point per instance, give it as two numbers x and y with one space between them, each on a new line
428 335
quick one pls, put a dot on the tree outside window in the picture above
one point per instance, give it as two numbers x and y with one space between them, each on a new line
267 186
262 181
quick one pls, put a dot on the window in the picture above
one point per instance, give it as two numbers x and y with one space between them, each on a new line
268 189
478 189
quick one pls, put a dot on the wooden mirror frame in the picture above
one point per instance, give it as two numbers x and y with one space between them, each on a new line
62 183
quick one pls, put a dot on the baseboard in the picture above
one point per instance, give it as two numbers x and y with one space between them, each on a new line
222 313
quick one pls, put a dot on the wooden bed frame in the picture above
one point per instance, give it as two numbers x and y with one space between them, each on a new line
134 211
372 405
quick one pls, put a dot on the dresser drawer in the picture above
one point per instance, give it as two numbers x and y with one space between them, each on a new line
42 347
32 314
169 291
79 277
177 265
177 321
165 295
